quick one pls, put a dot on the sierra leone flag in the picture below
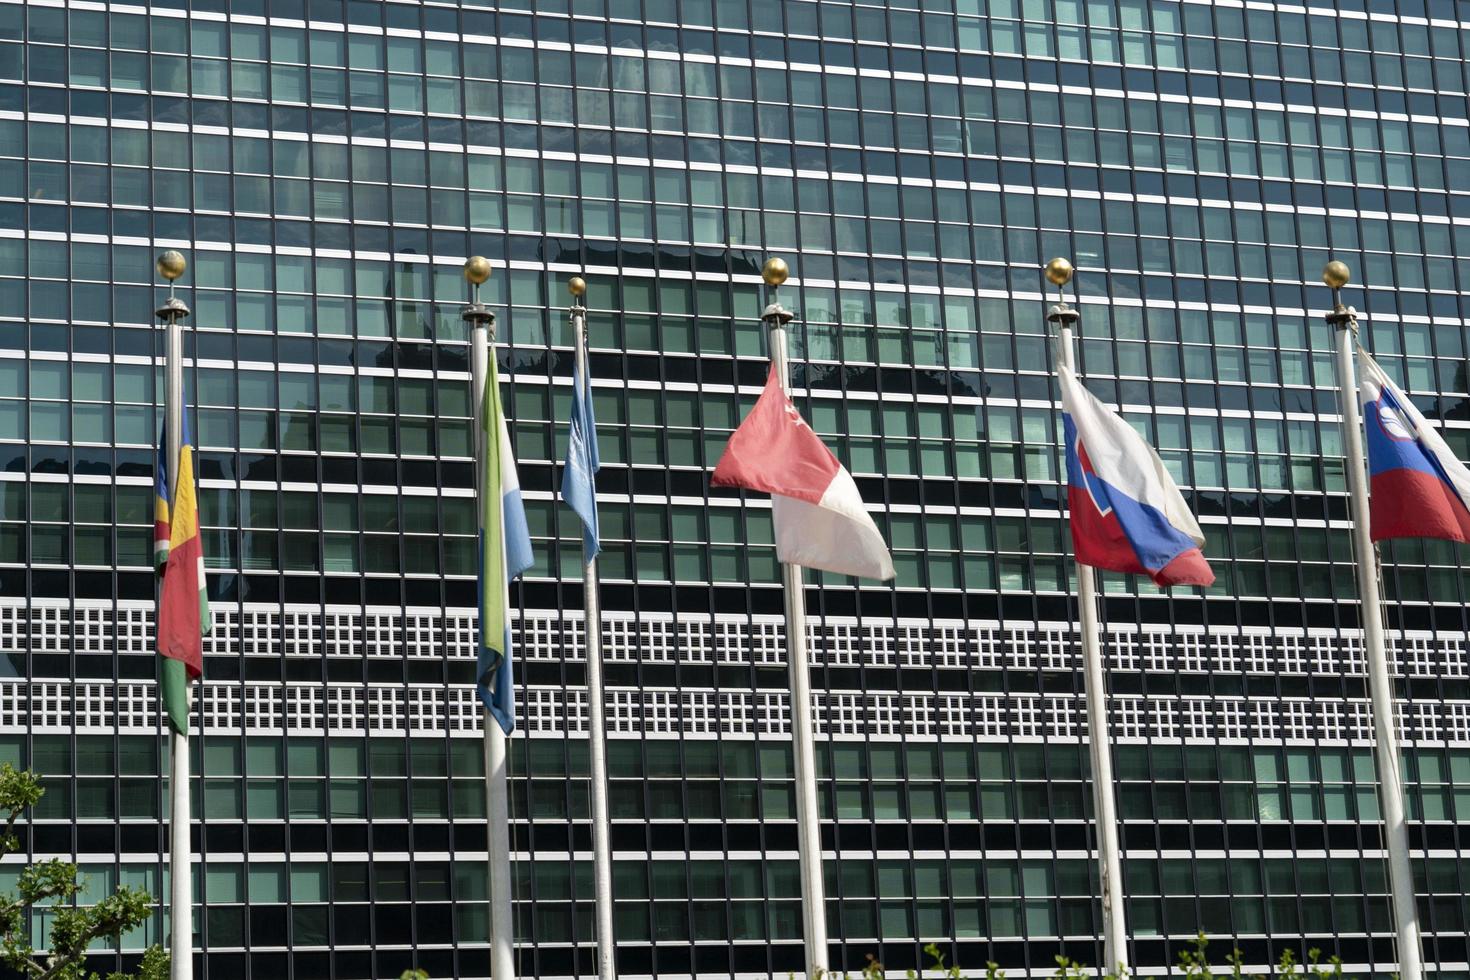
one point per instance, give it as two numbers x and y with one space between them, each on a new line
505 552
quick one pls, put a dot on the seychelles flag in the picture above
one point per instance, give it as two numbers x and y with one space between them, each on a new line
505 552
183 600
1418 488
1127 514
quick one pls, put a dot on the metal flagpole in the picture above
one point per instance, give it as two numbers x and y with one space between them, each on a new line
170 266
497 783
597 745
808 825
1099 742
1344 319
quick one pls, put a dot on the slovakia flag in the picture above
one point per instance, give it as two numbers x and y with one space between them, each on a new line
818 514
1418 488
1127 514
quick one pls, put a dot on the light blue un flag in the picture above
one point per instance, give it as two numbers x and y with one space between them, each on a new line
578 483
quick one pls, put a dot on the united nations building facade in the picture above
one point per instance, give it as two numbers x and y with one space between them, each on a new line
326 168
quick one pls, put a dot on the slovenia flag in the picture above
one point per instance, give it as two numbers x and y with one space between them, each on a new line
1127 514
1418 488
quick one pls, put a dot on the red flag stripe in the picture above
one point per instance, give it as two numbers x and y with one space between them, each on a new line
775 451
179 624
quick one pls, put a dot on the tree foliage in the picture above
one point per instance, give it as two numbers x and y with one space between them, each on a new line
54 885
1193 965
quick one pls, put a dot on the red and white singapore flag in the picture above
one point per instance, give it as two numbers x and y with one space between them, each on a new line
1127 514
819 516
1418 488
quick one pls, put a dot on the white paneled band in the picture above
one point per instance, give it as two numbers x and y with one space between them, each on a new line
354 709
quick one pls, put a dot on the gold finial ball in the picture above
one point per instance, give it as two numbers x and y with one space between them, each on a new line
775 272
577 286
171 265
1336 274
477 269
1059 272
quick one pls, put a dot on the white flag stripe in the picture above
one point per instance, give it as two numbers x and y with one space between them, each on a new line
836 535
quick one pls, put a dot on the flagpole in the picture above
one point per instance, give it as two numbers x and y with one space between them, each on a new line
1104 806
808 815
170 266
497 783
602 890
1344 320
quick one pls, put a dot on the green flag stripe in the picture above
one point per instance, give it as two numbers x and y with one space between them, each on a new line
492 529
174 685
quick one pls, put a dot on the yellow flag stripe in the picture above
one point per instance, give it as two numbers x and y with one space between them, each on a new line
186 510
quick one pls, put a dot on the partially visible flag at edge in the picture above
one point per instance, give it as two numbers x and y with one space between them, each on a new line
505 552
1419 488
1126 512
578 477
183 598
